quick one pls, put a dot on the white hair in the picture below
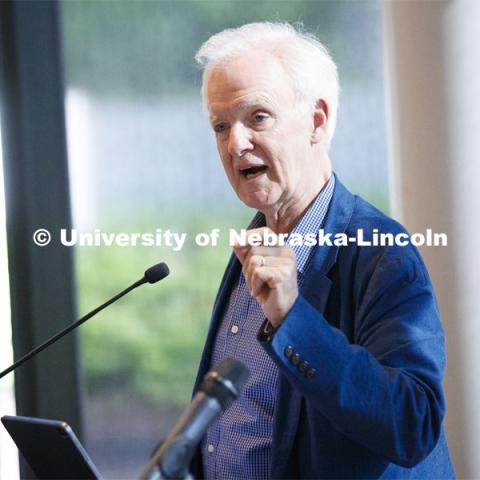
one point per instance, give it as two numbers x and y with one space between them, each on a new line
312 72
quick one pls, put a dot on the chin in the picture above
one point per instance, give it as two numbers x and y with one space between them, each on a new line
257 200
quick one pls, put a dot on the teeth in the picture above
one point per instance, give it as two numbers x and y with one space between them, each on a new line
253 171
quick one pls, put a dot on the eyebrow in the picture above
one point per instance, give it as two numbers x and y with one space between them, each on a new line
258 102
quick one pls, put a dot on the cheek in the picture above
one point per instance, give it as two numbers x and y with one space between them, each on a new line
286 170
227 165
280 149
281 158
223 154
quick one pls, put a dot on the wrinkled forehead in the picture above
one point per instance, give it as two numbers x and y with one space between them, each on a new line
259 75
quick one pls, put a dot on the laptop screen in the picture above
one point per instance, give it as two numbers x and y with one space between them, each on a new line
51 448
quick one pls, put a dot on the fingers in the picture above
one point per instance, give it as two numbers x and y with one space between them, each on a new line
270 271
270 268
261 280
255 238
251 270
241 252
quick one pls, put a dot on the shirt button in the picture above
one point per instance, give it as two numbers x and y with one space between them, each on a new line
210 448
234 329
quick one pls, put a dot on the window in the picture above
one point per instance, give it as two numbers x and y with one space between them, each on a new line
8 450
142 158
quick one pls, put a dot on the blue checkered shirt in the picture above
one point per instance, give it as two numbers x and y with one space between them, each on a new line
238 444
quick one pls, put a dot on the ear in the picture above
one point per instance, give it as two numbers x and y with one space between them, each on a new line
320 122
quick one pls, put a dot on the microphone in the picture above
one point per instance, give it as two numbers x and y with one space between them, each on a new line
220 387
152 275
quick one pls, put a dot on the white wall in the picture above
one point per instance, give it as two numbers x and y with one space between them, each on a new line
433 88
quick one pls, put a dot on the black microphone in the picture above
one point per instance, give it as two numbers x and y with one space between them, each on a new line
152 275
219 389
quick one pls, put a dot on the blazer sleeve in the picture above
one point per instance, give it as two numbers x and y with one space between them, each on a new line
384 390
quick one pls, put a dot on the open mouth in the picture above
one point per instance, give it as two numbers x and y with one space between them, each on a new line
252 172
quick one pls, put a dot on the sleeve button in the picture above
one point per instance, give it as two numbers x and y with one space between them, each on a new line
311 372
295 359
288 351
304 366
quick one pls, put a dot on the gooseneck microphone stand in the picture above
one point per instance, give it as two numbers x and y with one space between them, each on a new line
152 275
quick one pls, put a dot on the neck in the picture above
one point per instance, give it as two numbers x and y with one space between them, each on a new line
283 219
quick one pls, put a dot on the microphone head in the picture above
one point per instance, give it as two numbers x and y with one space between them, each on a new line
225 381
156 273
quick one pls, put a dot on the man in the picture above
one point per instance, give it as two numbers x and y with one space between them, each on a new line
344 343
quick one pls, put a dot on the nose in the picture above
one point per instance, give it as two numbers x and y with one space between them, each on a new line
239 140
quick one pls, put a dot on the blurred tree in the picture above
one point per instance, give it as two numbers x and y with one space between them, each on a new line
128 47
137 49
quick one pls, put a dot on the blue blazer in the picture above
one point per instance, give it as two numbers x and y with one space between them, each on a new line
370 404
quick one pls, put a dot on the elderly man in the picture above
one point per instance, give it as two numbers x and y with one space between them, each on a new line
344 343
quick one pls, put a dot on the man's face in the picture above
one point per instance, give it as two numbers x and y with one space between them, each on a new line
264 138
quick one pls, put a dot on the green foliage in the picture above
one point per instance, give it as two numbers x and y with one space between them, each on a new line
147 47
150 342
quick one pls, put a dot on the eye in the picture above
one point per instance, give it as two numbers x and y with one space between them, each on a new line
220 127
259 118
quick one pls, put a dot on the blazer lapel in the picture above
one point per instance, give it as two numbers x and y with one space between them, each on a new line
289 401
315 289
